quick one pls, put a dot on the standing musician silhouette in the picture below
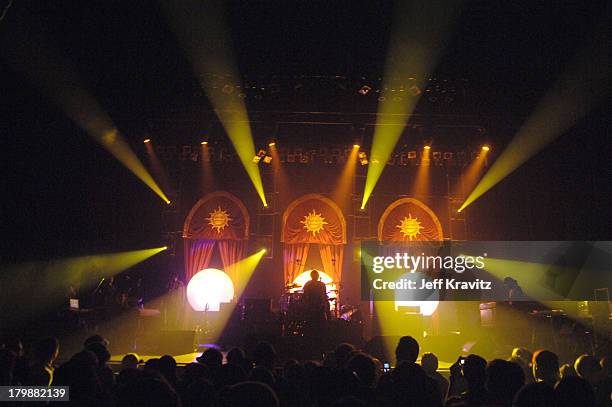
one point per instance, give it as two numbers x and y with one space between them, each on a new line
316 305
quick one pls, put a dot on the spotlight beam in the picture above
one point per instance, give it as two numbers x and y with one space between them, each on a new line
29 52
421 181
200 28
581 87
419 33
45 283
241 273
471 175
157 167
342 191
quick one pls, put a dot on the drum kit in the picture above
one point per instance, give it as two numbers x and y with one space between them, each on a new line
294 313
292 306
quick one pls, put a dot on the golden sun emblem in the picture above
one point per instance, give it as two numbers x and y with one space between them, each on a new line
313 222
410 227
218 219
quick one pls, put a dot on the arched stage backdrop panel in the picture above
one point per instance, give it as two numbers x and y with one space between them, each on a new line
406 220
218 219
313 219
409 219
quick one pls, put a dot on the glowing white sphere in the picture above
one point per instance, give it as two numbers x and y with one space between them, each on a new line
426 308
208 288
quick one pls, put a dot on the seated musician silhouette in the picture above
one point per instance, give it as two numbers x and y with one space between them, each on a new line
316 305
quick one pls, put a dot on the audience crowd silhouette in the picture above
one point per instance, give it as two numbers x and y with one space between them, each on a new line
345 377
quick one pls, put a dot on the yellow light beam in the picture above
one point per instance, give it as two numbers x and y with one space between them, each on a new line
45 283
389 321
157 167
420 30
242 272
342 191
200 28
421 181
471 174
530 276
536 280
583 84
280 176
29 52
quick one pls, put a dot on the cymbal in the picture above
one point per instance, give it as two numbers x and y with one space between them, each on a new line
290 286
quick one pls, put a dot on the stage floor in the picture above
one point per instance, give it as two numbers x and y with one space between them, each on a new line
180 359
191 358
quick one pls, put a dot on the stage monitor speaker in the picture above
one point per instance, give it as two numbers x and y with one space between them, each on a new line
175 342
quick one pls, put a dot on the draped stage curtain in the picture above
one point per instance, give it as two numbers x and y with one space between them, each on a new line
313 219
331 257
294 260
232 251
415 216
217 218
296 232
197 256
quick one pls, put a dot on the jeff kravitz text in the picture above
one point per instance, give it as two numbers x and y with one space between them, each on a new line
435 284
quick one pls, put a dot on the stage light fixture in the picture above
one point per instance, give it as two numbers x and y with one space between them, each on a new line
260 154
204 142
228 89
415 90
356 146
147 140
267 159
365 89
271 144
486 148
427 147
412 155
363 158
264 250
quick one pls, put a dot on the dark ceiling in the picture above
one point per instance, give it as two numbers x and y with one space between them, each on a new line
62 186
